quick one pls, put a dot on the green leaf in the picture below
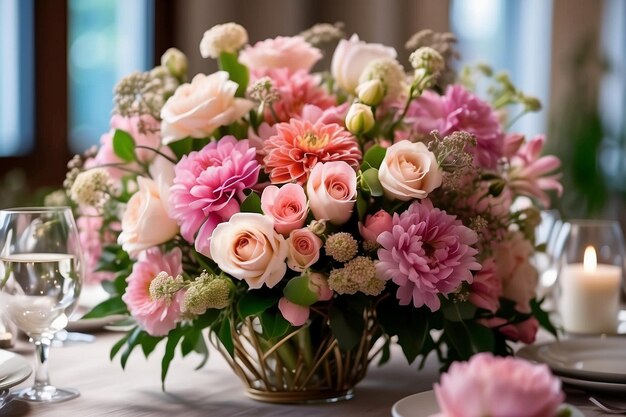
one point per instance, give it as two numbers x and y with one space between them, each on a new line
543 317
182 147
252 204
189 341
361 205
253 303
373 158
170 348
124 145
106 308
207 319
386 354
274 325
347 325
372 183
298 290
237 72
203 350
458 311
149 343
118 345
132 342
225 336
469 338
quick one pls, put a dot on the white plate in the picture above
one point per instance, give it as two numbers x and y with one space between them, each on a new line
612 387
13 369
599 359
425 404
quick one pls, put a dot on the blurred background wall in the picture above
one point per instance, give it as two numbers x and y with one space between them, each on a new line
60 59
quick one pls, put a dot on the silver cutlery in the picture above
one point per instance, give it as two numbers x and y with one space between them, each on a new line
607 408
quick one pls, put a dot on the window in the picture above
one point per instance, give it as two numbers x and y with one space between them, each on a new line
512 36
107 40
16 77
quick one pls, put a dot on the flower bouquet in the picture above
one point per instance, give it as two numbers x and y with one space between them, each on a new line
303 222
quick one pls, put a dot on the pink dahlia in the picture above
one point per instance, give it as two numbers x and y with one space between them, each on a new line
291 52
209 187
295 90
530 174
460 110
299 145
427 253
157 317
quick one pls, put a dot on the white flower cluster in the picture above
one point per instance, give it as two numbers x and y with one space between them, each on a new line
228 37
90 187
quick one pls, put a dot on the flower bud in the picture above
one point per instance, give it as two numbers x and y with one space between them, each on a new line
360 119
428 59
176 62
318 227
227 37
371 92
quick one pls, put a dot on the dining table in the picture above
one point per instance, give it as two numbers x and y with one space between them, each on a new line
213 390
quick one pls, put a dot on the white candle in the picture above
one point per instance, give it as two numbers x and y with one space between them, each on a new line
590 295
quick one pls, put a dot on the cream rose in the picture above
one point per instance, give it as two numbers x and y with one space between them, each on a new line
196 109
409 170
332 191
145 222
247 247
352 56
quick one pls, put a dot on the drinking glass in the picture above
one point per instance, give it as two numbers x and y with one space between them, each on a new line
549 235
41 272
590 276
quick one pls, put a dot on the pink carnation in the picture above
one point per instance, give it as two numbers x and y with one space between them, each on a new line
145 131
299 145
157 317
486 288
530 173
498 387
427 253
209 186
295 89
460 110
293 53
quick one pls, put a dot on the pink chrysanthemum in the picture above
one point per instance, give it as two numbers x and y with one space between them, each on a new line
157 317
209 186
460 110
295 90
298 145
529 174
427 253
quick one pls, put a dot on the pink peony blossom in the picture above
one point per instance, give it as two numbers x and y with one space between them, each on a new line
529 172
92 239
286 206
375 225
486 288
299 145
498 387
427 253
295 90
460 110
209 186
157 317
293 53
145 132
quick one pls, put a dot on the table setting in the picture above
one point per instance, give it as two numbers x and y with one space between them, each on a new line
277 240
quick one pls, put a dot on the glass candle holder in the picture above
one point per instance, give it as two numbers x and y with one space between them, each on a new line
590 276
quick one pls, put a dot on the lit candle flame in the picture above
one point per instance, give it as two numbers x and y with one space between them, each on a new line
590 260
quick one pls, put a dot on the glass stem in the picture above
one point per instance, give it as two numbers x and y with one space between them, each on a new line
42 350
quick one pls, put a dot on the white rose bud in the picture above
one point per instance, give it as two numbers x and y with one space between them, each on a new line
360 119
176 62
371 92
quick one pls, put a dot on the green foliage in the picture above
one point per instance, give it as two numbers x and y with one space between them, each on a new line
410 324
252 204
253 303
106 308
124 145
371 183
274 325
346 322
373 158
237 72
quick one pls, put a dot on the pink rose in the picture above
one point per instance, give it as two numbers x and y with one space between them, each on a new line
351 57
145 222
293 53
486 288
375 224
294 313
286 206
332 191
304 249
247 247
157 317
519 278
409 170
498 387
197 109
524 332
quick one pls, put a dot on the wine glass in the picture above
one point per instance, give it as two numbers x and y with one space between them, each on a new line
41 272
